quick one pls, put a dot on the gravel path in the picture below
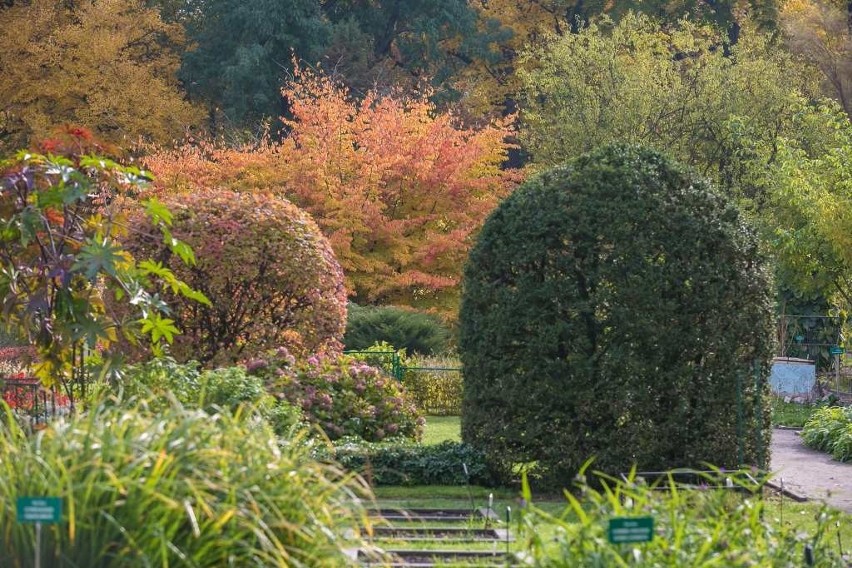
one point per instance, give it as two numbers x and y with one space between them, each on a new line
809 472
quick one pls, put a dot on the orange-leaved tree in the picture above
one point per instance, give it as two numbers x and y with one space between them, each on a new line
398 187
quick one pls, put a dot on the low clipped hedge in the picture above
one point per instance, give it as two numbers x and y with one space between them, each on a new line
175 487
829 429
402 463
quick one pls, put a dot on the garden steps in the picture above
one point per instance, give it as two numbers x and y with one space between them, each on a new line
420 538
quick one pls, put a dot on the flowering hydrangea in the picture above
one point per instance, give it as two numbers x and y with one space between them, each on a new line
343 396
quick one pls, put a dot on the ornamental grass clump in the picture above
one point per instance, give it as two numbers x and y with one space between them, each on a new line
829 429
691 527
174 488
342 395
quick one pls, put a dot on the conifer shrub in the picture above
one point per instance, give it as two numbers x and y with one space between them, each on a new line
616 307
416 332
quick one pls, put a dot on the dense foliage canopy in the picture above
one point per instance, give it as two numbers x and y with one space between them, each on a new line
618 308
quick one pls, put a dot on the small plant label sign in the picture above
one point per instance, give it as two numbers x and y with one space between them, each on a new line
631 529
39 509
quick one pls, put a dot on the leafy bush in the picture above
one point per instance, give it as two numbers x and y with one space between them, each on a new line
829 429
691 528
618 308
342 395
416 332
401 463
271 276
177 487
435 383
156 379
163 379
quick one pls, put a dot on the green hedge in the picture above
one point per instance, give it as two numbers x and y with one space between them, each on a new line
403 463
415 332
616 307
436 385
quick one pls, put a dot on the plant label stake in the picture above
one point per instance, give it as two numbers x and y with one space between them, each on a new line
467 484
631 529
508 524
39 510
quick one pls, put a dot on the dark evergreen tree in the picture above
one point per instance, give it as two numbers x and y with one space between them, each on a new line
618 308
414 40
416 332
243 50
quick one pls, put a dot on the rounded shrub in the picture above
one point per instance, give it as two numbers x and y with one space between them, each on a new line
343 396
174 488
416 332
271 277
618 308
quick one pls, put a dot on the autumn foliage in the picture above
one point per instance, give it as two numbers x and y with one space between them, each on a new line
270 275
398 188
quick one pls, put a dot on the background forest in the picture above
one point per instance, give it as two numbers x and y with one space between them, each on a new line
400 124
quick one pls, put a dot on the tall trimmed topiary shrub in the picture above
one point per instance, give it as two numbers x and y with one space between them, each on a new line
617 308
271 277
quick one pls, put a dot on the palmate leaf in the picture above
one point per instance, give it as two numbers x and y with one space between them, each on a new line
100 257
159 328
157 212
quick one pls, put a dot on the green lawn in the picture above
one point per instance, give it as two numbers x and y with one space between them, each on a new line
442 428
790 413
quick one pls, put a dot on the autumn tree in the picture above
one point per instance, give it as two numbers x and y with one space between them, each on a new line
398 187
808 220
671 88
270 275
491 84
109 65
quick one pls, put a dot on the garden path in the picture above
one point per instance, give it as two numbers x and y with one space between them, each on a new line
809 472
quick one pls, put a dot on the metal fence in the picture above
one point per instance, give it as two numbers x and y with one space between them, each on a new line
32 402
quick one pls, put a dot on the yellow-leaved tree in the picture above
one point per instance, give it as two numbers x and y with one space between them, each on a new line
108 65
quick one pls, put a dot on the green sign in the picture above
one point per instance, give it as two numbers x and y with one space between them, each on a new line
836 350
39 509
631 529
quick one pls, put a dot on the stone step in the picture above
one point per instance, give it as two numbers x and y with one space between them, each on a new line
457 534
428 558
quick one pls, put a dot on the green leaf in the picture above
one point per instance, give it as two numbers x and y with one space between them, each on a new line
159 328
157 212
184 251
97 257
188 292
